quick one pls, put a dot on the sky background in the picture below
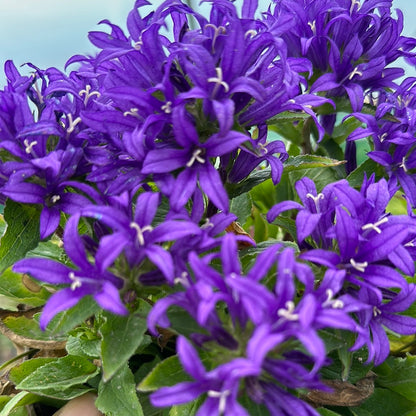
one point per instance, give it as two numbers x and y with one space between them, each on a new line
48 32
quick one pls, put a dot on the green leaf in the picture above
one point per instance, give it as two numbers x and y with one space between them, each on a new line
48 249
167 373
83 347
355 178
29 328
22 289
399 375
187 409
241 207
386 403
57 374
254 409
288 116
22 233
326 412
66 320
118 397
22 398
121 336
302 162
255 178
20 372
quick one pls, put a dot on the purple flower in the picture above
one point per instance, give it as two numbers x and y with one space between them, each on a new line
87 279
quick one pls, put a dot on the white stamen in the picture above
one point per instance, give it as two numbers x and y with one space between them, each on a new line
371 226
312 25
356 71
55 199
207 224
167 108
220 30
132 112
72 123
88 94
383 137
182 279
218 81
288 312
140 231
353 3
316 199
358 266
76 282
263 148
333 303
222 395
403 164
376 311
195 156
29 146
250 33
138 45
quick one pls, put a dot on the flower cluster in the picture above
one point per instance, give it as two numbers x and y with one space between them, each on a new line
146 155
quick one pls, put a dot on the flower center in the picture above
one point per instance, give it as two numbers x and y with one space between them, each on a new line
355 71
218 80
88 94
132 112
287 313
222 396
72 123
220 30
167 108
371 226
358 266
195 157
315 200
331 302
140 231
29 146
353 4
76 281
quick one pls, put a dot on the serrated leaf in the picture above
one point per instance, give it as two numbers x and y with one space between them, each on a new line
66 320
241 207
48 249
187 409
167 373
385 402
83 347
118 397
22 289
121 336
355 178
56 374
287 116
22 233
399 375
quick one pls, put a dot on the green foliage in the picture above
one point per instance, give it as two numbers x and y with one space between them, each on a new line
117 397
22 233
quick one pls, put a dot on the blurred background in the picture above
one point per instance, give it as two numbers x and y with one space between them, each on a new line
48 32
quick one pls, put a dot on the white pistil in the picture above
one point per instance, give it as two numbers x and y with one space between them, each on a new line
195 156
371 226
263 148
182 279
315 200
220 30
132 112
358 266
312 25
250 33
218 81
88 94
140 231
29 146
333 303
403 164
376 311
138 45
55 199
222 396
72 123
353 3
167 108
355 71
288 312
383 137
207 224
76 282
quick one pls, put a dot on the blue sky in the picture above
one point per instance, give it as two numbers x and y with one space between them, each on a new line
48 32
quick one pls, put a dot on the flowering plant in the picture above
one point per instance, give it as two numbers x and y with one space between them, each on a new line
214 215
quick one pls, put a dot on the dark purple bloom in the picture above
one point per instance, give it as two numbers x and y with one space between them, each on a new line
87 279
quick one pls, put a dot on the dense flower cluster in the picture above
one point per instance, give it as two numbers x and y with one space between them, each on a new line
143 147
